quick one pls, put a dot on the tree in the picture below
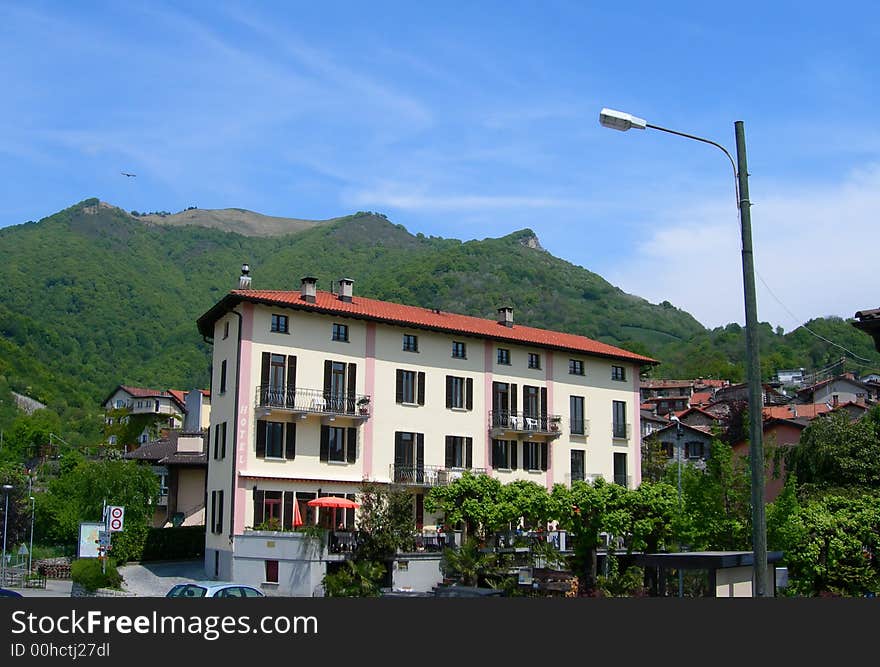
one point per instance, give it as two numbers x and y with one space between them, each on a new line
355 579
476 501
18 522
385 524
655 461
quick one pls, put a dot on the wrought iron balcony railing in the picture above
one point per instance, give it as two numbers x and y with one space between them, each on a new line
315 401
525 422
426 475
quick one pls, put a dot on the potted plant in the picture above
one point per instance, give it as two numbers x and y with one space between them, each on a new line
554 422
362 403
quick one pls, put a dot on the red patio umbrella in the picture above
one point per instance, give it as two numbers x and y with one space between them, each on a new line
297 515
333 502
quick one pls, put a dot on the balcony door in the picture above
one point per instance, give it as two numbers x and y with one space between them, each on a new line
503 403
409 458
278 380
340 380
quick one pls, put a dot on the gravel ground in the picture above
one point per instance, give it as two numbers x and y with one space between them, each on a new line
156 579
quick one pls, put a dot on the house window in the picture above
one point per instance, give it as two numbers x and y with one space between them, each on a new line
409 457
217 512
273 510
534 360
503 356
620 476
619 419
223 376
120 403
578 457
410 387
693 450
276 440
535 455
340 333
618 373
575 367
459 393
459 350
504 454
459 451
576 414
279 323
226 329
410 343
338 444
271 571
220 441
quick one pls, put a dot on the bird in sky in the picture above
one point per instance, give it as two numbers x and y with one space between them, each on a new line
125 173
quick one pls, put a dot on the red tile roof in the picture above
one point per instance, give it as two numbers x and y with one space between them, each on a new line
394 313
701 398
807 410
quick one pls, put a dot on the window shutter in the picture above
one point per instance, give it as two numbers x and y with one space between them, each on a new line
514 445
223 442
421 380
351 444
543 456
450 458
448 391
209 441
496 454
324 454
544 406
261 439
264 379
352 386
291 380
287 523
469 454
420 450
399 389
216 440
399 454
290 441
469 394
513 398
213 511
220 511
259 497
328 375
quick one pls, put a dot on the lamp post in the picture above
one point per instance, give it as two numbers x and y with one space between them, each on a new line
678 453
6 489
33 514
619 120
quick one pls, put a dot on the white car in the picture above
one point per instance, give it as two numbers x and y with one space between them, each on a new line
213 589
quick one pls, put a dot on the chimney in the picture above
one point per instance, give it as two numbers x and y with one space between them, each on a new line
345 289
505 316
244 281
309 289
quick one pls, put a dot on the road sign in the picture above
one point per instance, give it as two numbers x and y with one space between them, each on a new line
115 518
104 538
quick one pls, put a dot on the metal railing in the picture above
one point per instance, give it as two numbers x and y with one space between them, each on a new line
315 401
580 427
427 475
525 422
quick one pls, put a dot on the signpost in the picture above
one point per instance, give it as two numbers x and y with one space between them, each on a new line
114 522
115 518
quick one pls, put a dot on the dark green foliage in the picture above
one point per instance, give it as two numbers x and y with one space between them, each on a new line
178 543
386 524
87 572
355 579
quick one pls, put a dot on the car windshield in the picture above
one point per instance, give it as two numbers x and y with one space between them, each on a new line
187 591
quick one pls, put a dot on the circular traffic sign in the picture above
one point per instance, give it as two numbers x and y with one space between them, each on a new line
116 513
115 524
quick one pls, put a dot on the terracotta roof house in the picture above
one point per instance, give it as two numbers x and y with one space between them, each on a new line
840 389
778 432
168 410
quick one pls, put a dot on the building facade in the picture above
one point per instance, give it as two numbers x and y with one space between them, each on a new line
314 392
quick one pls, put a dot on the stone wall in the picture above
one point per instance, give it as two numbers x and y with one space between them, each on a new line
79 591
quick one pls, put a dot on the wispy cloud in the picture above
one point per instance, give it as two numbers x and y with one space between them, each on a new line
398 198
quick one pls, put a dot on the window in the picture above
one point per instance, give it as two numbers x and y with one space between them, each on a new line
217 512
276 440
618 373
279 323
504 454
503 356
577 465
619 419
535 455
575 367
410 343
220 441
410 388
459 393
576 414
459 350
693 450
271 572
534 360
223 376
120 403
338 444
340 333
273 510
409 458
459 451
226 329
620 476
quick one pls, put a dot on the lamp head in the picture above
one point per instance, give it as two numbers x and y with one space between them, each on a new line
619 120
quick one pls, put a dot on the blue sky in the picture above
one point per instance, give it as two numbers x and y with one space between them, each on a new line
474 120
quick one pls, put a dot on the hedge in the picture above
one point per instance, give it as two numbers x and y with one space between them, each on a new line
88 573
181 543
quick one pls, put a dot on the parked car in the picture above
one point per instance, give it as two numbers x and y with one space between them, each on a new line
6 593
213 589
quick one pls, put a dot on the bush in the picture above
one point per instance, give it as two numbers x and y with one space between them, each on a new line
183 542
87 573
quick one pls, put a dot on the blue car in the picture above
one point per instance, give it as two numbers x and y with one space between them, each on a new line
6 593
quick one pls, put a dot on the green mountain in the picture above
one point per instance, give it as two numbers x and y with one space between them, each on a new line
93 296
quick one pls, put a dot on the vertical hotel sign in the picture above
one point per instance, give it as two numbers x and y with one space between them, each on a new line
245 407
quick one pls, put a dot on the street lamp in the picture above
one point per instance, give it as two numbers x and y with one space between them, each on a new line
619 120
33 513
6 489
678 454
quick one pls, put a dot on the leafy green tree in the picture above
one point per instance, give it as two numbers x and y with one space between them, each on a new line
355 579
386 524
526 499
476 501
19 519
470 565
654 459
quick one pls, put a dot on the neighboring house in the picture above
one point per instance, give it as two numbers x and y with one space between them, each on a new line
837 390
156 409
314 392
667 405
700 418
790 377
651 422
181 464
665 389
796 411
783 433
740 392
690 442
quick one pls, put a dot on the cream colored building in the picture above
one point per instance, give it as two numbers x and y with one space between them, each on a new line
314 392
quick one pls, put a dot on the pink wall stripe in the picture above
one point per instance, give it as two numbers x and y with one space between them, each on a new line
245 408
637 430
552 444
370 390
488 349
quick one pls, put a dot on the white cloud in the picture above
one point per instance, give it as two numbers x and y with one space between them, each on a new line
814 246
413 200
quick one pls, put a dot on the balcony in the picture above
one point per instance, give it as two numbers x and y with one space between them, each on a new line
580 427
415 475
621 431
504 423
305 402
